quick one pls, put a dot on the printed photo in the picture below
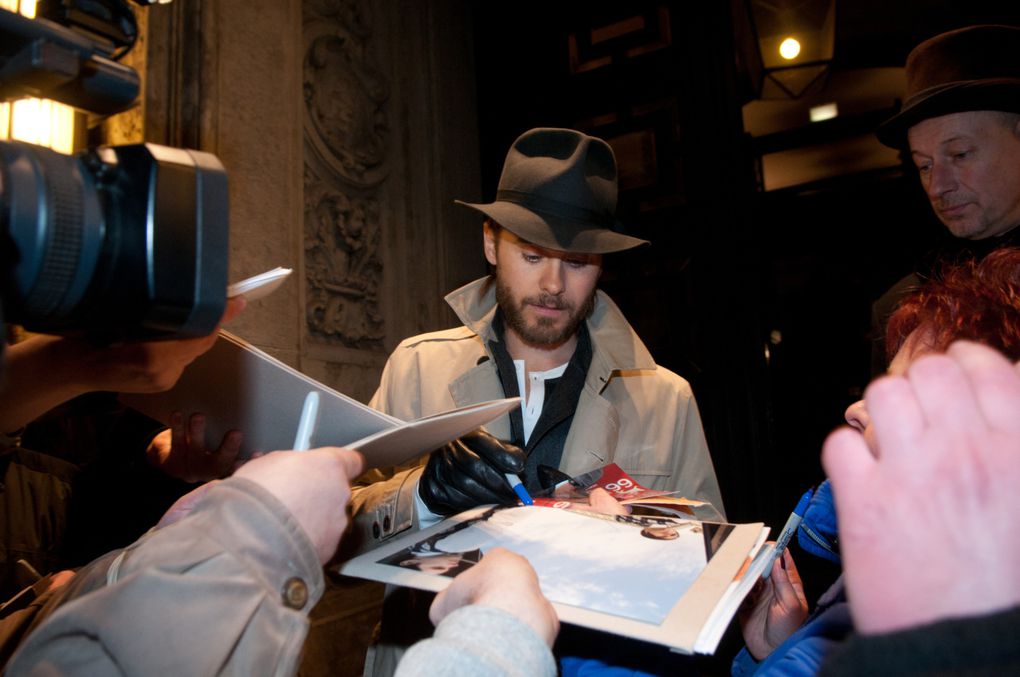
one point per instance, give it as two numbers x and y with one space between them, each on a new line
634 567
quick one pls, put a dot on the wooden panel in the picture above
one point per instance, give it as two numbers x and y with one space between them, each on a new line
625 34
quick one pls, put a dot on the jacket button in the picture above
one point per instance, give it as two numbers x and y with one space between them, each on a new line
375 529
295 593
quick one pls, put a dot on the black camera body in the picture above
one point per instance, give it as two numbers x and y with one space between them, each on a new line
39 57
114 243
117 243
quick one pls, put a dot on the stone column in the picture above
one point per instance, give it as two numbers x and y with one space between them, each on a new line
225 77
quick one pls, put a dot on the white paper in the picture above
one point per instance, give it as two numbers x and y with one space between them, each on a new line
259 286
239 387
598 573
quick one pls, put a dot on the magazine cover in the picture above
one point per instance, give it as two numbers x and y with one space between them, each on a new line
653 578
239 387
573 493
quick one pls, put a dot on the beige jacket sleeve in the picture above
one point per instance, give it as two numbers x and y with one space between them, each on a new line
382 500
224 591
382 506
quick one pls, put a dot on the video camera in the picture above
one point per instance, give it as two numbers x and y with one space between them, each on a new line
114 243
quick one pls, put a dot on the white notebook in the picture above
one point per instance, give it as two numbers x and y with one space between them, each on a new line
237 386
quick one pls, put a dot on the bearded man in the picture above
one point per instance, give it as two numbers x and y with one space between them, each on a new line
538 328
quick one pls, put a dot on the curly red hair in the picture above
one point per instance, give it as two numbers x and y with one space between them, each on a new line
974 300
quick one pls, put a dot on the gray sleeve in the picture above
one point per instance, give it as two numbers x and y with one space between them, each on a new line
479 640
224 591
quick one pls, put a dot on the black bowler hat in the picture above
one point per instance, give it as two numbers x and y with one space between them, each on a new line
558 191
973 68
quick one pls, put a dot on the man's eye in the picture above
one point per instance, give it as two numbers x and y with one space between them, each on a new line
576 264
532 258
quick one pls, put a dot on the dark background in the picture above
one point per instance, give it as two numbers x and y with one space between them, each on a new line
760 299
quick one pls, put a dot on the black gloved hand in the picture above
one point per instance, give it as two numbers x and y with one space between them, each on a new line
469 471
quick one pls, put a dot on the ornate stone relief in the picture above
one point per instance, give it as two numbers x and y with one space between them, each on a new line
345 140
342 266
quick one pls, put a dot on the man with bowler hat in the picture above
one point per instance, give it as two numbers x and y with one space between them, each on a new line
960 122
537 327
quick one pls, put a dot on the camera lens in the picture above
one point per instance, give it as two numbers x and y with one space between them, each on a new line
54 218
119 242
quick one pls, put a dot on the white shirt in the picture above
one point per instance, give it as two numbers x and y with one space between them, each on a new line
531 405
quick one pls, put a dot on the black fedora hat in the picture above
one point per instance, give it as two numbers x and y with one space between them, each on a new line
973 68
558 190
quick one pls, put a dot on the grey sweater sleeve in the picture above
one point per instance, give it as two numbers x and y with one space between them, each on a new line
226 590
479 640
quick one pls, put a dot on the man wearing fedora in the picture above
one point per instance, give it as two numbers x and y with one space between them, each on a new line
537 327
960 122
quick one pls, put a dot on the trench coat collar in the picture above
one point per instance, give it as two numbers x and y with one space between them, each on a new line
615 345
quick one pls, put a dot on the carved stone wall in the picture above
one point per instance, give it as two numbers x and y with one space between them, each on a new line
347 158
347 128
389 142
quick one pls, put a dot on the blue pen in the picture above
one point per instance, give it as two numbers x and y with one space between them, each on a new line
789 529
518 487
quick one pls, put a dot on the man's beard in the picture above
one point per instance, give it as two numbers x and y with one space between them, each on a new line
544 333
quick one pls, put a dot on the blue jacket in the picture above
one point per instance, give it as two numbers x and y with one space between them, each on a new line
804 651
829 624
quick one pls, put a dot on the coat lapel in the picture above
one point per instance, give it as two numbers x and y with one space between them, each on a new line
481 384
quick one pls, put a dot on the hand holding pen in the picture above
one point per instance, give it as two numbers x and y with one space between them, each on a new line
468 472
789 529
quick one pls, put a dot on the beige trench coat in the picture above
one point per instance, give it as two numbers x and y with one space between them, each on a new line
631 412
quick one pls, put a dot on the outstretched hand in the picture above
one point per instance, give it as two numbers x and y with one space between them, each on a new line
505 581
43 371
180 451
928 528
143 367
774 610
315 486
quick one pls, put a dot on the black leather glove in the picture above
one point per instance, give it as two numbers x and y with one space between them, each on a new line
469 471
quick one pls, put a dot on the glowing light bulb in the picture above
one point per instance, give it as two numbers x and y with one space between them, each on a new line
789 49
38 121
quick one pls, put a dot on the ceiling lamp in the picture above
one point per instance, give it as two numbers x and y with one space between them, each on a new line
795 41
